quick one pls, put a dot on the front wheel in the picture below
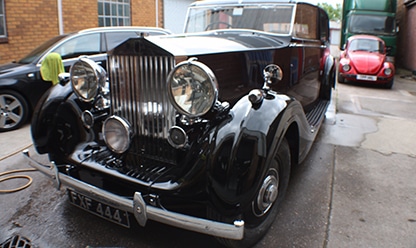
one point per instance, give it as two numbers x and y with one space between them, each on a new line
14 110
325 91
265 205
341 79
389 85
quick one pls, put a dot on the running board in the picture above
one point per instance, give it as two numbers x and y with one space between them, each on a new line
316 115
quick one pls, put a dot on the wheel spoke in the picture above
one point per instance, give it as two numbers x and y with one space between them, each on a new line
14 105
2 101
14 117
2 121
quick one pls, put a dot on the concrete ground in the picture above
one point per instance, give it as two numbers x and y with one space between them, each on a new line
14 141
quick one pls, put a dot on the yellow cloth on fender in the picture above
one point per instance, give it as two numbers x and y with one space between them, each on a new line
51 67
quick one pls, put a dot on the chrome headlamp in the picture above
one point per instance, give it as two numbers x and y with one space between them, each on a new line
87 77
388 71
346 67
117 134
192 88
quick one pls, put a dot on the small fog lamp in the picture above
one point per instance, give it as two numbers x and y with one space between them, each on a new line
177 137
117 134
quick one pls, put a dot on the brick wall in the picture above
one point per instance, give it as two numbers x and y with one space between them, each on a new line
401 36
145 13
406 16
32 22
79 14
29 23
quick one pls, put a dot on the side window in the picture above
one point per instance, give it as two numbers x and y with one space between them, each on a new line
115 38
306 22
323 25
3 31
82 45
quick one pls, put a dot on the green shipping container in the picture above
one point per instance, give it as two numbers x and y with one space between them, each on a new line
375 17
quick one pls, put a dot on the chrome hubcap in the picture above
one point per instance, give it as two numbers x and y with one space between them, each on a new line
267 194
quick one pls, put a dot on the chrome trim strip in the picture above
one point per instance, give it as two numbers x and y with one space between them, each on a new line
138 207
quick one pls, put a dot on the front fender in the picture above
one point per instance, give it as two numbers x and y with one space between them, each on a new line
240 149
56 104
329 71
44 113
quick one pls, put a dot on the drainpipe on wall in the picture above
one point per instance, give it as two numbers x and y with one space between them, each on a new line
60 18
157 13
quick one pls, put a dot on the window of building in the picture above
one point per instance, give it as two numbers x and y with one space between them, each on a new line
3 31
113 13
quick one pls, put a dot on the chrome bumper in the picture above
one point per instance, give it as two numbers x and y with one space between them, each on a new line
138 207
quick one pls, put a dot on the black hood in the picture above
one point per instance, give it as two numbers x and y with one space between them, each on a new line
13 69
215 42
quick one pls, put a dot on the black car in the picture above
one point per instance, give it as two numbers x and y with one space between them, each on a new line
21 85
198 130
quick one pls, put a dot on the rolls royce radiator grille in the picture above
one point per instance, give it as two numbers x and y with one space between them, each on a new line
139 95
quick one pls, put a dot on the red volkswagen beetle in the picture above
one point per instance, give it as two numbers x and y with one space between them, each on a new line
364 61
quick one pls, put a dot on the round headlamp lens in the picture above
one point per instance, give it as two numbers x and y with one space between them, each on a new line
387 71
192 88
117 134
86 78
346 67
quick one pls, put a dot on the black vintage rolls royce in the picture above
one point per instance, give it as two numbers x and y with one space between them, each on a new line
197 130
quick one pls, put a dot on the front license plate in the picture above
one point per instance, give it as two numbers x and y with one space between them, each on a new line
103 210
367 77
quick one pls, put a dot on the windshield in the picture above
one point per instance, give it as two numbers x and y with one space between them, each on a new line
372 24
366 45
34 55
269 18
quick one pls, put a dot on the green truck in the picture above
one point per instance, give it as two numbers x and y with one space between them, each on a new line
373 17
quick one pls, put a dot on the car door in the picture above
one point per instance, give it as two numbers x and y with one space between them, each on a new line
306 54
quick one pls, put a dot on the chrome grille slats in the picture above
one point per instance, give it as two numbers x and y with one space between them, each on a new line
139 94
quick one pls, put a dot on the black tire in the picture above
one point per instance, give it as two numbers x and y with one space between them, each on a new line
14 110
389 85
341 79
263 212
326 87
64 135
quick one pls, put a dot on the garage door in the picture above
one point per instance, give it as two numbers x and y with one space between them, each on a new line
175 12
